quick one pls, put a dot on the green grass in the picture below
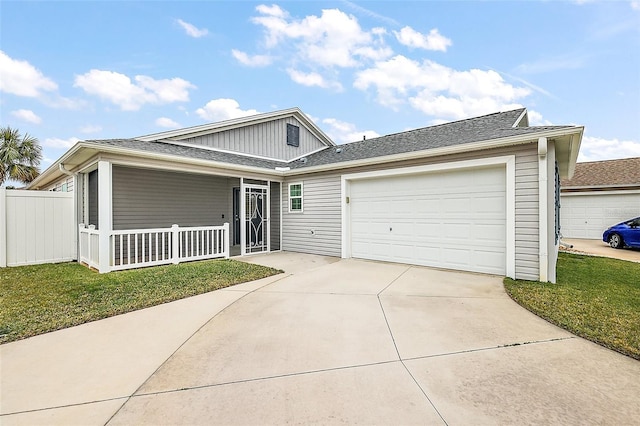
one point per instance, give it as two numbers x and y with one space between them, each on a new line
596 298
42 298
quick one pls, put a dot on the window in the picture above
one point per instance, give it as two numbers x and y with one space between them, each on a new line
293 135
295 197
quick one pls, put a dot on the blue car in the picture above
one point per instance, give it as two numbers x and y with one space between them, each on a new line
624 234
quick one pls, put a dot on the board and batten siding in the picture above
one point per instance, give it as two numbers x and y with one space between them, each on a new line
267 139
317 229
144 198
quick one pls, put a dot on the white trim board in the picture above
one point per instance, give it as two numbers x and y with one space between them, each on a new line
508 161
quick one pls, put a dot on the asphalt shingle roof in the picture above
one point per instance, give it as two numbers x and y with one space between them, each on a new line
622 172
189 152
488 127
492 126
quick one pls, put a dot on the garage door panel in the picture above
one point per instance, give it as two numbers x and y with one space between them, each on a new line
452 220
587 216
490 233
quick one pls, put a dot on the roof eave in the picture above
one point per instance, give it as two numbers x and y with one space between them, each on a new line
53 171
456 149
182 159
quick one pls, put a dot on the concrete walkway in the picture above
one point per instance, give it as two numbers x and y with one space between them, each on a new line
600 248
330 341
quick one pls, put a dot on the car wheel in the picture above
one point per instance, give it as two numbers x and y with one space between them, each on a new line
615 241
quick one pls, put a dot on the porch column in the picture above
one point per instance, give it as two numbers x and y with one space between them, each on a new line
105 221
78 197
243 213
542 210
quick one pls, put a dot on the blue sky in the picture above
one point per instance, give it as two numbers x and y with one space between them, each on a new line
72 71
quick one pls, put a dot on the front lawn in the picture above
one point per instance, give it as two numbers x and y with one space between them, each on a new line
42 298
596 298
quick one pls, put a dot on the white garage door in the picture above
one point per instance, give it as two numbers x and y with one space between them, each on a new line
454 220
587 216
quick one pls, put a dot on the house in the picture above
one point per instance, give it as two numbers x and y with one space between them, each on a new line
600 194
479 194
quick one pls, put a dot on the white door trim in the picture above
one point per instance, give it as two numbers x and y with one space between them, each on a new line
508 161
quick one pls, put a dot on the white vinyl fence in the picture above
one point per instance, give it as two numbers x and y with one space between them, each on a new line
36 227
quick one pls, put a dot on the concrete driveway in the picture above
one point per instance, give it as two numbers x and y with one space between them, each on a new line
330 341
600 248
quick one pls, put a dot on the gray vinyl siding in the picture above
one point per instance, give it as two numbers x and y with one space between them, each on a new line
93 198
317 229
322 207
144 198
64 184
265 140
274 215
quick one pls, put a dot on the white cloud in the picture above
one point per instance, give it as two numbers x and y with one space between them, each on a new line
635 5
439 91
312 79
596 149
130 96
223 109
251 61
343 132
167 122
27 115
535 119
333 39
432 41
191 30
23 79
60 143
91 128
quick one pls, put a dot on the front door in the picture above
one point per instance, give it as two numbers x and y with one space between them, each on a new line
256 220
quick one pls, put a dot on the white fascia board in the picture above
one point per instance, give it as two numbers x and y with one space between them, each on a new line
308 153
226 151
435 152
600 188
523 115
615 192
53 170
220 126
177 162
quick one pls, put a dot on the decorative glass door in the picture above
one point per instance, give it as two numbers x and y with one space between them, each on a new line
256 219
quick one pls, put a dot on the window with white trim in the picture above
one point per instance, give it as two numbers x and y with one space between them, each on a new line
295 197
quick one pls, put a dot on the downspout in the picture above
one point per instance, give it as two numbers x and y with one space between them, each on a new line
543 224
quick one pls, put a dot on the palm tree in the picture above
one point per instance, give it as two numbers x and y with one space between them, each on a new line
19 156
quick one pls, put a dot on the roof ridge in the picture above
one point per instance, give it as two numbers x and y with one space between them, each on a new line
448 123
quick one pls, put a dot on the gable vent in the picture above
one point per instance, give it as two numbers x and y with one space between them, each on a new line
293 135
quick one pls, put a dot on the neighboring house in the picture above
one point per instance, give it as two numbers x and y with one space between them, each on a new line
475 195
600 194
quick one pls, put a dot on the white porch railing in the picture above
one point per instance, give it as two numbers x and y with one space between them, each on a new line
136 248
89 243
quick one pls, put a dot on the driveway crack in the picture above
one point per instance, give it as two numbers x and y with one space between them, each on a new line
386 320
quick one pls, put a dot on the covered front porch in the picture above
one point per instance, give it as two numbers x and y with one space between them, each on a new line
138 215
